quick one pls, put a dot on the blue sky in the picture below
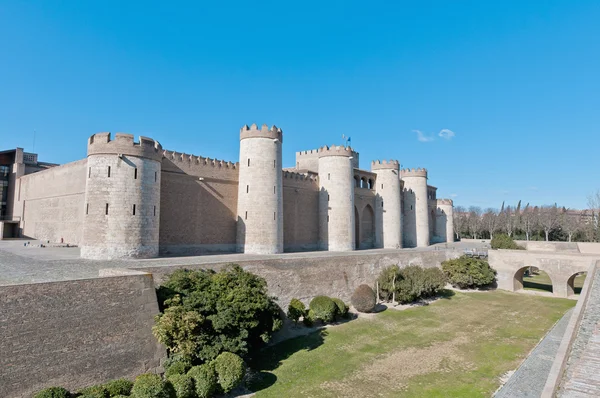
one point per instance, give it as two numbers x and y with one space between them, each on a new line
517 82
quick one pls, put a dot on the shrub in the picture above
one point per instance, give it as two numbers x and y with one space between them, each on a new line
207 312
183 385
434 280
342 308
205 380
152 386
99 391
296 310
363 299
387 281
309 318
323 308
177 368
53 392
466 272
503 241
119 387
230 370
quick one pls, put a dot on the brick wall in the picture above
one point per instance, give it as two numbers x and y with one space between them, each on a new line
76 333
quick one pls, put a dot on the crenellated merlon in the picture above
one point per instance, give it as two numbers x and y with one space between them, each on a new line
124 144
198 160
336 150
291 175
385 164
414 172
254 131
447 202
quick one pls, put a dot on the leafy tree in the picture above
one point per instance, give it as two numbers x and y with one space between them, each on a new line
207 312
503 241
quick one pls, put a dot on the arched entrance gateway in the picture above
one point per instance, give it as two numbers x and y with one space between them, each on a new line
367 230
364 228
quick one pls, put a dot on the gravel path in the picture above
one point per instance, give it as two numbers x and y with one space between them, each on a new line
529 379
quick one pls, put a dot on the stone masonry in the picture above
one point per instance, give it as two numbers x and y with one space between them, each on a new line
133 199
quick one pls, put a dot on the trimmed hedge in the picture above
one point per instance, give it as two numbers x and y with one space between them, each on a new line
323 308
119 387
152 386
230 370
177 368
98 391
342 308
296 310
184 386
205 379
363 299
53 392
467 272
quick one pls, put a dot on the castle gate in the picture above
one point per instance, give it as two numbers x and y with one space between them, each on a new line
364 226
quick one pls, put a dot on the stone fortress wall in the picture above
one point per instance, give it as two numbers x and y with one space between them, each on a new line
134 199
54 337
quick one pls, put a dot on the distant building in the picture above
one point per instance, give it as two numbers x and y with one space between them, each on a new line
135 199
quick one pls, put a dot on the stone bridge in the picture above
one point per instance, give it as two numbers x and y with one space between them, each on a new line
561 267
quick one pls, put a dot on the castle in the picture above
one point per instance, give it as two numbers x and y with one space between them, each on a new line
132 199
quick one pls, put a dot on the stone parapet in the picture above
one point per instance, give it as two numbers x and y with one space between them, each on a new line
124 144
414 173
385 164
253 131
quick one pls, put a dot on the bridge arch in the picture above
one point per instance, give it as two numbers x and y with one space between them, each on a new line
575 283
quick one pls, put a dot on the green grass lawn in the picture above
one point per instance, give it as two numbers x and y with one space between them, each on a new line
456 347
541 282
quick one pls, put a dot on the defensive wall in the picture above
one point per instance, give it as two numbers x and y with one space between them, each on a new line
77 333
50 203
305 277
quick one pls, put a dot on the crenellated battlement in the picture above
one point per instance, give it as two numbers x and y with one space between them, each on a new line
198 160
124 144
414 173
200 166
292 175
447 202
385 164
336 150
312 152
254 131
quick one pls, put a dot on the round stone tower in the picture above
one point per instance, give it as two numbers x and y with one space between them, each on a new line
122 197
444 219
389 209
416 225
260 191
336 199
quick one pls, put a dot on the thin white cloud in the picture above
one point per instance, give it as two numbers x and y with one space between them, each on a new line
446 134
421 137
453 195
533 188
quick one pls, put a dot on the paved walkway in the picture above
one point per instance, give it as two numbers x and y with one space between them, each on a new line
530 377
582 376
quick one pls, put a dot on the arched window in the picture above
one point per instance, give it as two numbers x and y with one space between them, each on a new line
363 182
356 181
371 183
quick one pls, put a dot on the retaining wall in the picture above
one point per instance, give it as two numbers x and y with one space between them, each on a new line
77 333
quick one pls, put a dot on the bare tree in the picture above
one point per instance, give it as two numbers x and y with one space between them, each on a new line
474 221
490 221
549 219
508 219
529 220
570 222
459 219
593 214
